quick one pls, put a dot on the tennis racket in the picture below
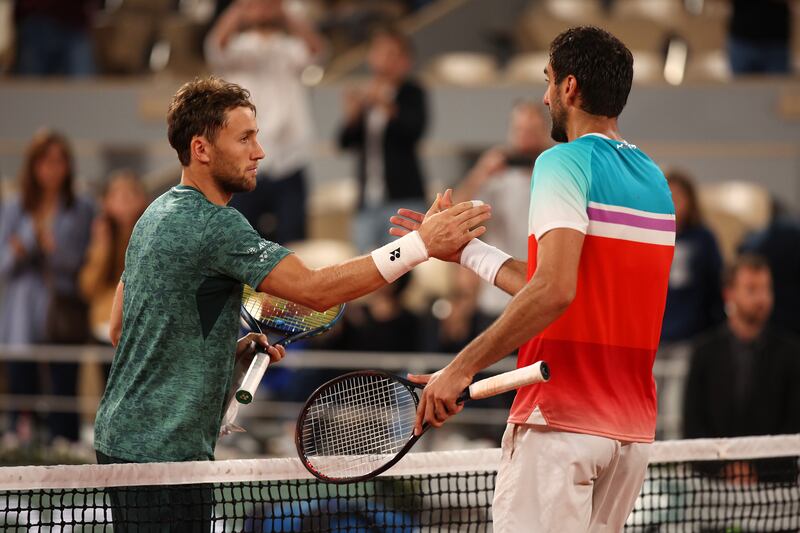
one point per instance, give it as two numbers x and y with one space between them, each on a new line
359 424
283 322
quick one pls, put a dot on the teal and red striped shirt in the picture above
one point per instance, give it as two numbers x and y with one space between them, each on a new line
601 350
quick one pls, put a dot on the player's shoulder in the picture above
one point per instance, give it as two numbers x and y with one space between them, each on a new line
577 152
181 209
227 224
571 159
226 216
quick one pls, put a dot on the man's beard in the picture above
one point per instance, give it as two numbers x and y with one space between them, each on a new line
558 131
229 178
754 318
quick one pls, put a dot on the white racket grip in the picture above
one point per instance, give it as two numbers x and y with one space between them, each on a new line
538 372
258 367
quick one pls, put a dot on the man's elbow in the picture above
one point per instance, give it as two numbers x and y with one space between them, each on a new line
562 298
315 298
319 305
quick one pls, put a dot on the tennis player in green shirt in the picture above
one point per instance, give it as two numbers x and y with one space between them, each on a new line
175 316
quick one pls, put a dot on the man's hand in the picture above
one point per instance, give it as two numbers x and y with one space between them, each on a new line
444 238
246 348
446 232
438 401
410 220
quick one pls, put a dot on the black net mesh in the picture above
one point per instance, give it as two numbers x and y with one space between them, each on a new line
439 502
693 496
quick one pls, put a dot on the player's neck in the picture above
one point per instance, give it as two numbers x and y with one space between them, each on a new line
583 123
206 184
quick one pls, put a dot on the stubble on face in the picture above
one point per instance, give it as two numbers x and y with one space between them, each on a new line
229 177
558 116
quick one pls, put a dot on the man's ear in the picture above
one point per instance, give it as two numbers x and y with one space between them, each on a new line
200 148
570 93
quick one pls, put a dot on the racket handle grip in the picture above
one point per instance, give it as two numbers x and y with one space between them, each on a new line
527 375
253 378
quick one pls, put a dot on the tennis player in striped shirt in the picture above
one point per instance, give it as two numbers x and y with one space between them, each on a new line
589 300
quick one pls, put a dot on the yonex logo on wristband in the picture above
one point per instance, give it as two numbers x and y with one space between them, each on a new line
388 261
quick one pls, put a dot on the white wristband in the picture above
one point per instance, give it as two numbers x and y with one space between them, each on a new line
483 259
398 257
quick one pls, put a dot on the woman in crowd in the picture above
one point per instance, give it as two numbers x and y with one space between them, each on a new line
123 202
694 298
44 232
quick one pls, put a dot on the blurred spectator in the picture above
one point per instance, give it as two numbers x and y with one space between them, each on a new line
381 323
779 243
383 124
694 304
743 376
44 234
54 37
124 200
759 37
350 22
502 178
260 46
457 316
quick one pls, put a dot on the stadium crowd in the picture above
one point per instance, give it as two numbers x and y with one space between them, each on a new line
61 252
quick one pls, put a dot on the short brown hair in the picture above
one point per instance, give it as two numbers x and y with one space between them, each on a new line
30 190
745 260
198 108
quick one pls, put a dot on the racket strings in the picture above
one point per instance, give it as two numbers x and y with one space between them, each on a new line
358 425
284 315
382 413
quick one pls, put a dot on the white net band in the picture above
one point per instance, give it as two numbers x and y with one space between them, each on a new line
250 470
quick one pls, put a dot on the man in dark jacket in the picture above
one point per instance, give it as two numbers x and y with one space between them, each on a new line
743 376
383 124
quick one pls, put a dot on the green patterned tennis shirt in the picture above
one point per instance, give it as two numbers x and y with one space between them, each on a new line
186 262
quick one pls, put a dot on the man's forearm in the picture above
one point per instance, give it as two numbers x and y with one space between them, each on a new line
346 281
115 323
512 276
439 236
306 32
226 26
529 313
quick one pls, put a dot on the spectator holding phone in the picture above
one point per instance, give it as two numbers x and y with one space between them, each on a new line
502 178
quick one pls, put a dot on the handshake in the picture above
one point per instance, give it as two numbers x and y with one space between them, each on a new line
447 232
445 229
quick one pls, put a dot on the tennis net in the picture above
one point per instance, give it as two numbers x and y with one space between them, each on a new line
734 485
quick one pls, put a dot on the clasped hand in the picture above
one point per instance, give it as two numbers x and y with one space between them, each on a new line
439 400
445 228
246 348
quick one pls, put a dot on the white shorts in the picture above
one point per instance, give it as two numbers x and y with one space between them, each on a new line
555 481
